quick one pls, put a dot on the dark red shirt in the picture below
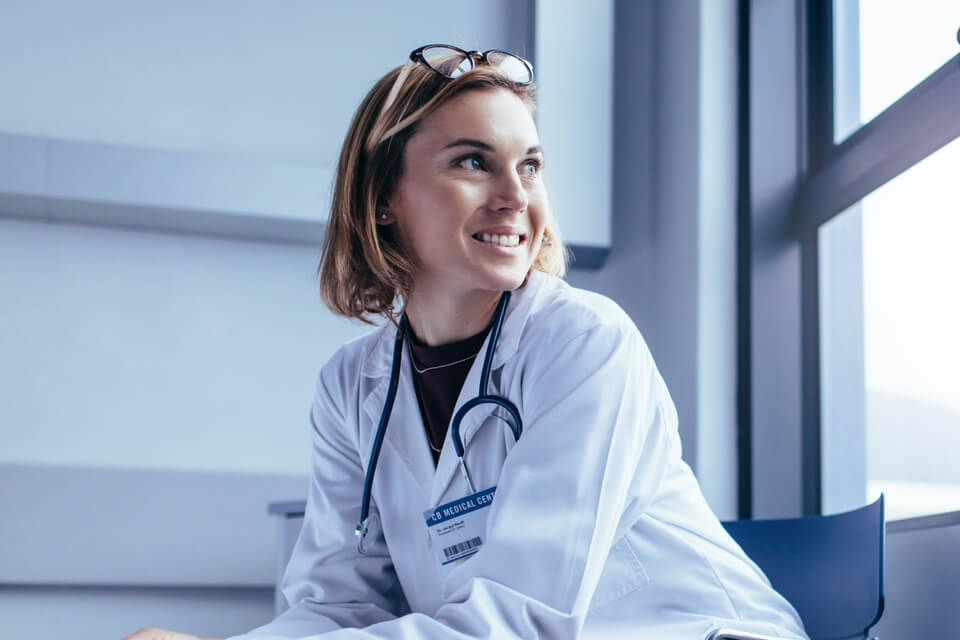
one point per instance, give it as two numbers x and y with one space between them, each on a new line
438 375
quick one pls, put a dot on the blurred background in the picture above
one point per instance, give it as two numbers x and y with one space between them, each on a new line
767 187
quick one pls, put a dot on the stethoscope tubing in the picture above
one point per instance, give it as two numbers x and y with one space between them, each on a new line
516 426
381 428
482 396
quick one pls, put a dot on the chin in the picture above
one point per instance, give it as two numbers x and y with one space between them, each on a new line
507 280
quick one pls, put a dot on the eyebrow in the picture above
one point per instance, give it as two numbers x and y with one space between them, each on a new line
480 144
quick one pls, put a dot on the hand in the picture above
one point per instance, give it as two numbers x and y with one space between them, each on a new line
163 634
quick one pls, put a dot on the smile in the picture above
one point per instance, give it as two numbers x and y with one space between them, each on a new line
503 240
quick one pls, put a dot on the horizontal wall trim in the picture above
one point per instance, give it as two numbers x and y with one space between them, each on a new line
147 218
292 509
265 592
920 123
114 527
584 257
950 519
63 180
176 191
84 611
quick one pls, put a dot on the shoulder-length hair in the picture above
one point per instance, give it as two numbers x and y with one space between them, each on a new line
363 268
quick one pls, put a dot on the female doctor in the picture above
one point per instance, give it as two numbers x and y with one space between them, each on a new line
502 459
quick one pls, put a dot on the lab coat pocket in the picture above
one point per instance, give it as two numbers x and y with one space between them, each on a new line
622 574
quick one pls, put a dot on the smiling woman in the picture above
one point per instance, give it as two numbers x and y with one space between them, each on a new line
469 210
462 156
579 519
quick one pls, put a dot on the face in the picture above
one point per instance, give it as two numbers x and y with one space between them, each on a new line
470 206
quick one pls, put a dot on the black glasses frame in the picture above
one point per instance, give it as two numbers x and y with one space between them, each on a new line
474 57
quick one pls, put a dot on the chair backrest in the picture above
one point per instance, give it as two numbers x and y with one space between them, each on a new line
830 568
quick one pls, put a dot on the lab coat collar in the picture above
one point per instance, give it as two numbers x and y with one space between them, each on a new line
448 465
410 444
378 361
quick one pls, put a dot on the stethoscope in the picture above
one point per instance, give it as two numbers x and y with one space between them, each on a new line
515 423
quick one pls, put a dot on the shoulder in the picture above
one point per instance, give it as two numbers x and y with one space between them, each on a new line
559 313
577 346
340 376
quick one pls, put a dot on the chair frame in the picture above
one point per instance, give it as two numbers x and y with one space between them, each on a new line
829 567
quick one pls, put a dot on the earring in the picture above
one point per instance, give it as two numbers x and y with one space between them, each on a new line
382 215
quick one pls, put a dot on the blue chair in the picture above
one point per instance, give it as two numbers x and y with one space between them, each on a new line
830 568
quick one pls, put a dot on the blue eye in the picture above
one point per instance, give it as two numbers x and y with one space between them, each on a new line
471 162
531 168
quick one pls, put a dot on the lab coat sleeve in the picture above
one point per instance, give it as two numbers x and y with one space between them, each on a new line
598 434
327 583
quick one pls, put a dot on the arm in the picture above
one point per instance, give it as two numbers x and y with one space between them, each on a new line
327 583
597 439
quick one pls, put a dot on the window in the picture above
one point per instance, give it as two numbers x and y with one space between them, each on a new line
882 50
850 214
886 211
905 389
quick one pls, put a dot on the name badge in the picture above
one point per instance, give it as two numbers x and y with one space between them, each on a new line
457 528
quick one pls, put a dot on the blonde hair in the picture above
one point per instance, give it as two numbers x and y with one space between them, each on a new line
363 268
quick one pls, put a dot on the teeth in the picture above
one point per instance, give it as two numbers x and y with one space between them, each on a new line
504 240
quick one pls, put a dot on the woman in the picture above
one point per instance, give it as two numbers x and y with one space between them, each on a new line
570 513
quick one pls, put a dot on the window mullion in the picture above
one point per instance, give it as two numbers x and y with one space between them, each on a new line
920 123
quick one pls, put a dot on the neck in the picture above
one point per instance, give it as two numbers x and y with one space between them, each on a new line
437 320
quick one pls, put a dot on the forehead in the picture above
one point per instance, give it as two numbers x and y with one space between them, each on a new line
496 116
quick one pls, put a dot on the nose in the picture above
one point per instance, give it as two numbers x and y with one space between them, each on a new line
510 194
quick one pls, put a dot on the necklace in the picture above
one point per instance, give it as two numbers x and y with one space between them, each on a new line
441 366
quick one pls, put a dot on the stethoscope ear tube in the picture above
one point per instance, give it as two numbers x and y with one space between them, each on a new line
515 423
492 342
361 530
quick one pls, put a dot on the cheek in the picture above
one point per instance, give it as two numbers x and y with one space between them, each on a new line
462 197
539 209
452 199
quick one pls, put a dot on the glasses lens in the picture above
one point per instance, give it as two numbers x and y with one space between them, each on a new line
511 66
446 61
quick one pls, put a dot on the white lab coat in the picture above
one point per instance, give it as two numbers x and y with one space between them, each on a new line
598 528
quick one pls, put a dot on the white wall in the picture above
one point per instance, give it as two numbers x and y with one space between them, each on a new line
112 613
228 118
673 262
137 349
124 351
149 350
169 350
245 78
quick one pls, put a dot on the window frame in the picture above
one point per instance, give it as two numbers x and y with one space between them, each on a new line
797 179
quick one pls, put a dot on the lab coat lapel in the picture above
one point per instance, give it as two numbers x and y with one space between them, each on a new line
514 320
410 443
448 466
405 434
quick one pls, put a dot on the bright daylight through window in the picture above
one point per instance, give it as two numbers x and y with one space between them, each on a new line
900 44
910 264
911 268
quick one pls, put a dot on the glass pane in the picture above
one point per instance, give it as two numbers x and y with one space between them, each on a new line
510 66
449 62
882 49
907 440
